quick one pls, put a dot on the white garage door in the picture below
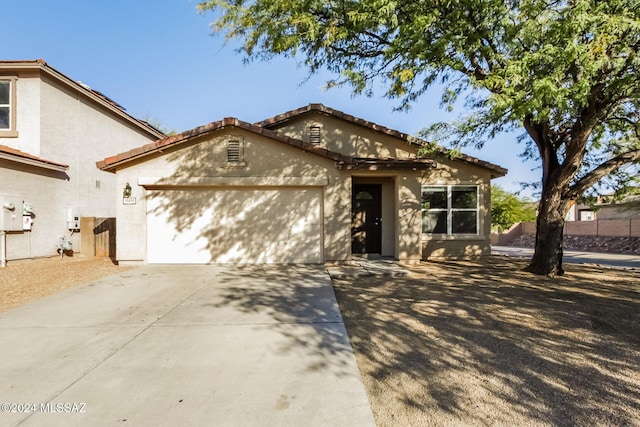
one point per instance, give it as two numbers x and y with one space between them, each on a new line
202 226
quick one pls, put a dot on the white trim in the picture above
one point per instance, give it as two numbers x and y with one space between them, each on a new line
33 162
248 181
450 210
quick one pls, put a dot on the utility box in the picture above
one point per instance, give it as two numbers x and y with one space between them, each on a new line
11 213
73 219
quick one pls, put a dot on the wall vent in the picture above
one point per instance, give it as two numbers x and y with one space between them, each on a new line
233 151
315 135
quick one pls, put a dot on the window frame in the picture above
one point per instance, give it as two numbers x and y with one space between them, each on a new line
450 210
12 131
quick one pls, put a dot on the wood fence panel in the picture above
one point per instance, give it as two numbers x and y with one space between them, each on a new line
105 234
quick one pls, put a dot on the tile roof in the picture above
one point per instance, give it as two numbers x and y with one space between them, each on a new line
111 163
21 156
100 98
264 128
322 109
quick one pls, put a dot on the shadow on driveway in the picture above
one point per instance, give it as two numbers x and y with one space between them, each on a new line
188 346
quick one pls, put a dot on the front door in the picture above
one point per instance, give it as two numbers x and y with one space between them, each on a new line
366 221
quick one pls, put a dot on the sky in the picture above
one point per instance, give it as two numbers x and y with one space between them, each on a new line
160 61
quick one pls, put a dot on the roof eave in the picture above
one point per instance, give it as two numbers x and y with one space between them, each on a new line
41 65
496 171
43 164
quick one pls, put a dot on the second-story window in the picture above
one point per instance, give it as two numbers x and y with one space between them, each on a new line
6 113
8 107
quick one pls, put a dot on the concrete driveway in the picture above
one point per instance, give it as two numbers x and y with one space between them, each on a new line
184 345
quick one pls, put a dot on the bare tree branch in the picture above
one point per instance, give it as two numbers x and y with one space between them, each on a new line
601 171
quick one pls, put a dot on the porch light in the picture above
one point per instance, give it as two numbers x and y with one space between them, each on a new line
127 191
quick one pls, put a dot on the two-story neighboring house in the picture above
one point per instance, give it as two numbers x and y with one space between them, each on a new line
311 185
53 129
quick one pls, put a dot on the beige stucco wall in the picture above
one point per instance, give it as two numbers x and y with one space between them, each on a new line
202 164
359 141
60 125
28 114
452 172
347 138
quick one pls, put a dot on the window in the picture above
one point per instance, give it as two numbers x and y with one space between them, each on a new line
315 135
7 107
450 209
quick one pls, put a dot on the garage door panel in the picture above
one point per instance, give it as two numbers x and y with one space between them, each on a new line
238 226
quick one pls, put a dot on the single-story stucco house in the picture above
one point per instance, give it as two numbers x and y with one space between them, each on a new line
311 185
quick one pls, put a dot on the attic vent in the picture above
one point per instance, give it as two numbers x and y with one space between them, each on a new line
315 135
233 151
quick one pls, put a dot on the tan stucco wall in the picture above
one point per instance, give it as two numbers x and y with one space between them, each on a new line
59 125
358 141
347 138
452 172
268 163
202 163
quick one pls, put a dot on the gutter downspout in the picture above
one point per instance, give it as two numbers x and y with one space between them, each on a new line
3 248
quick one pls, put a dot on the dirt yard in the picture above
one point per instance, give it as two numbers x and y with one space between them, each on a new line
463 343
24 281
483 343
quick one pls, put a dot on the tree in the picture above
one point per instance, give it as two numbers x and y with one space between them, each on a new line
507 209
563 71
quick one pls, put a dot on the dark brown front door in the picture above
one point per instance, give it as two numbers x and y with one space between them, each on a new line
366 221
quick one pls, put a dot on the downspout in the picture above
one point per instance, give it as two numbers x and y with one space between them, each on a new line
3 248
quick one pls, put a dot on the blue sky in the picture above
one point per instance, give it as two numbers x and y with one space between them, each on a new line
158 59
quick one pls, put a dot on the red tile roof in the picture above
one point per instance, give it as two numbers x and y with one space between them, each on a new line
17 155
275 121
111 163
264 128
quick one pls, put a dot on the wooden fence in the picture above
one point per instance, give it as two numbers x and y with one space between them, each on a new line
98 237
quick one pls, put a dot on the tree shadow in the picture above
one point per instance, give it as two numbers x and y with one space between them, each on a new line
241 217
480 343
296 301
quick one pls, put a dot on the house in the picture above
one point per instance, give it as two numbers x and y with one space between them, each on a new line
53 129
608 207
311 185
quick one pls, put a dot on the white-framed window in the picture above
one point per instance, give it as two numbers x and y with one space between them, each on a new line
450 209
7 106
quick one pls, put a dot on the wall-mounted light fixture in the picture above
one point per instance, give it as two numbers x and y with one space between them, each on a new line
127 191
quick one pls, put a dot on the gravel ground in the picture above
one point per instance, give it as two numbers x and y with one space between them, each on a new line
483 343
28 280
462 343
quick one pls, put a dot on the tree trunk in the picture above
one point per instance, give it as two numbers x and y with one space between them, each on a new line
547 258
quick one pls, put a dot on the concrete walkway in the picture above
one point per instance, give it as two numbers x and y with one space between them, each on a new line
576 257
184 346
363 267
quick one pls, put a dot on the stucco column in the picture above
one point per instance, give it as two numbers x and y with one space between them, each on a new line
409 219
